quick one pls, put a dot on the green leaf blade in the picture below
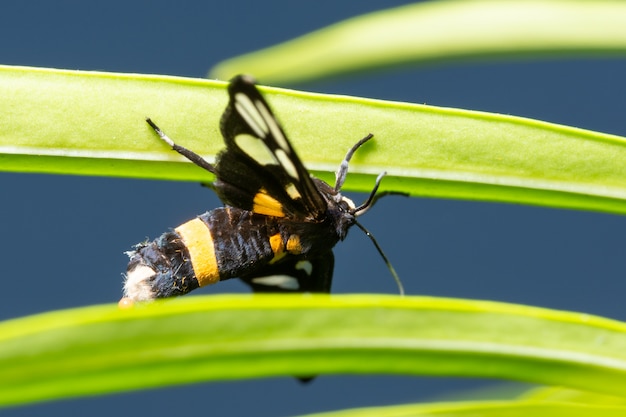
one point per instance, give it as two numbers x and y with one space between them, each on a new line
93 124
101 349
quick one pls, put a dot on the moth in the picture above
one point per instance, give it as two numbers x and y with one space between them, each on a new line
279 224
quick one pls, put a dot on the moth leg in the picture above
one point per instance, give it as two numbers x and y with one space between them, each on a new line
192 156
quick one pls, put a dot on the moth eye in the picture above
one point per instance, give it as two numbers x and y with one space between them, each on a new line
347 203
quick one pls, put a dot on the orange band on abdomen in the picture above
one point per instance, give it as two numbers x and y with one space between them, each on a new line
197 238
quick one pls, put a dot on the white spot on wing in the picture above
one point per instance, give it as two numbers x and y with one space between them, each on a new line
293 191
305 266
138 285
255 149
287 164
251 115
281 281
272 125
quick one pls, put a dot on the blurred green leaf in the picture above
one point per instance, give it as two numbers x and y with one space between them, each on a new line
96 350
562 395
482 409
432 31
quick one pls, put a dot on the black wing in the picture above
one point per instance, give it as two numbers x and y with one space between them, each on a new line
294 275
259 170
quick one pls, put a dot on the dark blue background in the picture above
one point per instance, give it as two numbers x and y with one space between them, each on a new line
63 237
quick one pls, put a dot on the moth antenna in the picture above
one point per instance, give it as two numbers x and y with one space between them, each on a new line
380 250
369 203
192 156
342 171
371 199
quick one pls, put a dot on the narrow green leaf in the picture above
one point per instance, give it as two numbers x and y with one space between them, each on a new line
101 349
439 31
483 409
561 394
93 124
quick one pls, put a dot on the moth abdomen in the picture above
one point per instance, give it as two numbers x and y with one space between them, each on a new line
159 269
217 245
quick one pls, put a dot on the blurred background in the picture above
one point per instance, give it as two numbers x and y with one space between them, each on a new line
63 237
